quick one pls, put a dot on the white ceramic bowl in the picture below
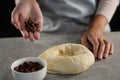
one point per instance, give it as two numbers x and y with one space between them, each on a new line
37 75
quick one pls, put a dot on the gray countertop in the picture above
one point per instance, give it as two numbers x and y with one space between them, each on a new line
15 48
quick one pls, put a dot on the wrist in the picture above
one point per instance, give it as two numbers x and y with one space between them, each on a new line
98 23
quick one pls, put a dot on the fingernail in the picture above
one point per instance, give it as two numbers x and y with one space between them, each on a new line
95 55
16 26
100 58
104 57
37 38
111 53
26 37
31 40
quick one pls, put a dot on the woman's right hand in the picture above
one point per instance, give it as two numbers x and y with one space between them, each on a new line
24 10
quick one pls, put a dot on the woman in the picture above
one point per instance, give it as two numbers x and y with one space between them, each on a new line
69 16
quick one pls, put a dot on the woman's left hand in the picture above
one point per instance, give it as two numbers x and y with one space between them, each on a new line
101 47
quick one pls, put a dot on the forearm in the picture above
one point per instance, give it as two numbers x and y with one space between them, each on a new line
104 13
99 22
107 8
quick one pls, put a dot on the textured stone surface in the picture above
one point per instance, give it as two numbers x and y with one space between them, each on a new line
15 48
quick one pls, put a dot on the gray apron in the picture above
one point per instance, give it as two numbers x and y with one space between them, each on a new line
67 16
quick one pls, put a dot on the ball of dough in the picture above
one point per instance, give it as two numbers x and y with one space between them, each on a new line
69 58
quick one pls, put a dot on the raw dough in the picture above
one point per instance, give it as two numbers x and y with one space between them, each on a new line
69 58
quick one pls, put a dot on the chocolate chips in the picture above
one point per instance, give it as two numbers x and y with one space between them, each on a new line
28 67
30 26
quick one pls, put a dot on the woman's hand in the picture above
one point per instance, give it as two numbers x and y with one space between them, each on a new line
101 47
24 10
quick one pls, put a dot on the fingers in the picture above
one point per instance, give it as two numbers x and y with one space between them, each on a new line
101 49
18 21
15 20
31 36
84 40
23 31
28 35
111 49
37 35
107 48
40 27
95 44
22 20
24 34
95 47
39 22
34 36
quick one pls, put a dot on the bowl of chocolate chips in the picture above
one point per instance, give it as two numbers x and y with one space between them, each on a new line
29 68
